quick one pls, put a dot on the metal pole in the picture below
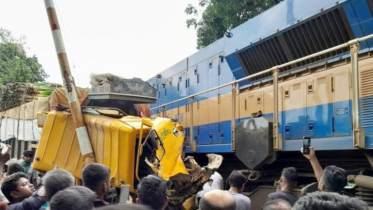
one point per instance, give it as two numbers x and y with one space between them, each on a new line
277 141
192 142
233 121
358 132
69 84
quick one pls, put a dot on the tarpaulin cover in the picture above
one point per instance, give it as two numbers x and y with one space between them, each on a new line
26 130
20 122
58 96
27 111
100 79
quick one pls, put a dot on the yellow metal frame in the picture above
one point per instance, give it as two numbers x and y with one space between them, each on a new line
114 143
172 164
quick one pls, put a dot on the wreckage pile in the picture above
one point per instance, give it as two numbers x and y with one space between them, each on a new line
16 94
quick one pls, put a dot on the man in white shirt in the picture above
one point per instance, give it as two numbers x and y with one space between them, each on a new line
215 182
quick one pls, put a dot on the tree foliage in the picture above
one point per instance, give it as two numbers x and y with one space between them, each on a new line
220 16
15 65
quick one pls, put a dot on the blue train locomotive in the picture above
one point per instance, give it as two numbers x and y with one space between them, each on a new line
327 96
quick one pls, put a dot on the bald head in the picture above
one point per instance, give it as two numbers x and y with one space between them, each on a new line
217 200
277 205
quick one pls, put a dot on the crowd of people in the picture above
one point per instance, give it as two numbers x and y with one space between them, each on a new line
332 181
57 190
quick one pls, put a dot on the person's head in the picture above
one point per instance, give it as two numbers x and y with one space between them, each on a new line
125 207
15 168
277 205
329 201
73 198
17 187
97 178
55 181
237 180
289 177
217 200
28 155
152 191
334 179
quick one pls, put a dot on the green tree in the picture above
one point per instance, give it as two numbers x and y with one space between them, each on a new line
220 16
15 65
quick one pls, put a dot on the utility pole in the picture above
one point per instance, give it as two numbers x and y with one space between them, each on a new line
69 84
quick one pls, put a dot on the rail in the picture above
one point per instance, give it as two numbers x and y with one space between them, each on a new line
358 132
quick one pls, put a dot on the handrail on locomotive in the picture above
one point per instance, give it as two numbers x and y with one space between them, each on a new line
358 131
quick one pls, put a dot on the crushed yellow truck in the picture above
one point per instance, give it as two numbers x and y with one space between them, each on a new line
131 146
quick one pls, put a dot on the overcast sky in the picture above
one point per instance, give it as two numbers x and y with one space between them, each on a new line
129 38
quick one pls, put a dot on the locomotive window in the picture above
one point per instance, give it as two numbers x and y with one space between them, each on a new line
287 93
310 88
259 100
221 58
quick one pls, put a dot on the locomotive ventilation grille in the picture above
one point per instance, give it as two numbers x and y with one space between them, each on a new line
319 33
366 102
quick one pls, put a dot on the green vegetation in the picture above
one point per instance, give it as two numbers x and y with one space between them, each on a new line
220 16
15 65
